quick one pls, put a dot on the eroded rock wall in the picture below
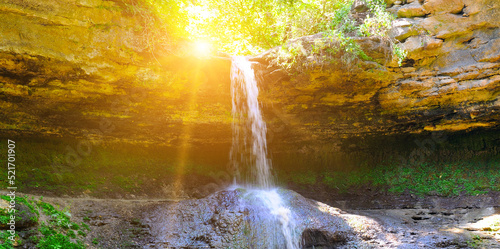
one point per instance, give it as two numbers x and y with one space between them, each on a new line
453 63
449 80
92 67
83 67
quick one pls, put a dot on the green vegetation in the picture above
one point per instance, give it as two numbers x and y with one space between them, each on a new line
250 26
339 39
54 227
5 242
446 164
475 242
4 216
118 169
446 179
253 26
114 168
240 26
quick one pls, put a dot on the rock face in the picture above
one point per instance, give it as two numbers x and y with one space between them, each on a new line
449 80
85 68
25 217
238 219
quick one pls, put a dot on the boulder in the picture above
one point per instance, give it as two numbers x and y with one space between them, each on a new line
413 9
244 218
24 217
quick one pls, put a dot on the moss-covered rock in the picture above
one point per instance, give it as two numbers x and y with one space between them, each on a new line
24 215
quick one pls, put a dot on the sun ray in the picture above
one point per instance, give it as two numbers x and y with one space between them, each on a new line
184 146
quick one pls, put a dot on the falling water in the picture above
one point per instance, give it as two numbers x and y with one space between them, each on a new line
249 148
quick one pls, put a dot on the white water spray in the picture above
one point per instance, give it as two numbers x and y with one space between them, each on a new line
249 148
274 202
247 117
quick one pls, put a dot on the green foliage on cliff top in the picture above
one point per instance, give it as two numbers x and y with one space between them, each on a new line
253 26
339 38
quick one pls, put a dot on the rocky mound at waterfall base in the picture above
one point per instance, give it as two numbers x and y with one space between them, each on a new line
225 220
239 219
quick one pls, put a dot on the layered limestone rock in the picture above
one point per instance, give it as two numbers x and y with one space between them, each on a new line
84 68
453 59
99 68
449 81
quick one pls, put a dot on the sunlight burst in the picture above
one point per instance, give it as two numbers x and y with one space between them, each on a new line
202 49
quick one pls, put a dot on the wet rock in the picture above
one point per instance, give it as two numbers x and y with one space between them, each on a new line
239 219
318 238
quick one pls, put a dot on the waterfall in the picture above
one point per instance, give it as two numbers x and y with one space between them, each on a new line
249 152
249 148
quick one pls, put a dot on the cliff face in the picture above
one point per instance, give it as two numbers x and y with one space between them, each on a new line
83 71
83 68
80 67
453 63
449 80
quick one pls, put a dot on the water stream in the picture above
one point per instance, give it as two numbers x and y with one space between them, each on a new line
248 154
249 148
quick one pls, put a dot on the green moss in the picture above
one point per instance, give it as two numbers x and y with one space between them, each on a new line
128 184
307 178
475 242
56 231
109 168
445 179
96 240
448 179
58 241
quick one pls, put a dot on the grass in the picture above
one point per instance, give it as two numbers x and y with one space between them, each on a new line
111 168
467 163
449 164
444 179
54 229
95 241
5 242
448 179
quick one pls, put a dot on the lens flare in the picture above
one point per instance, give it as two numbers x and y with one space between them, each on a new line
202 49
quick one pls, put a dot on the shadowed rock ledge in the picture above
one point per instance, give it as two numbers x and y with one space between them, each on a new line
449 80
67 65
84 70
